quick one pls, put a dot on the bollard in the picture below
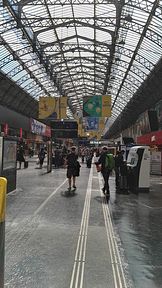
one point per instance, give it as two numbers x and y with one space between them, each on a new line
3 189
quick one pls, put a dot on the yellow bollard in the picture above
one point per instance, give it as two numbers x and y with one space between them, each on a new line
3 189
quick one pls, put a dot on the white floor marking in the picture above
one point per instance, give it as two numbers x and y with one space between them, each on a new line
49 197
80 255
118 273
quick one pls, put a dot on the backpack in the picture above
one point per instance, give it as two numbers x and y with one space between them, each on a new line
109 162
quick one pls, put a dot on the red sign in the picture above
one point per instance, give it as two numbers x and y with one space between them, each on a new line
21 132
153 138
5 129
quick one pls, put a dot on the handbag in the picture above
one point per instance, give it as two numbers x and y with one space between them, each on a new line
98 167
77 168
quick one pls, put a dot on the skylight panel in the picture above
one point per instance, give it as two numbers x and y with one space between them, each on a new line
83 11
64 32
85 32
47 36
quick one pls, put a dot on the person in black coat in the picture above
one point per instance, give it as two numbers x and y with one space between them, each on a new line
104 170
119 166
41 156
20 156
73 167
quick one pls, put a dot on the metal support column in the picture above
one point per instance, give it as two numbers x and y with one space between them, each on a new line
3 189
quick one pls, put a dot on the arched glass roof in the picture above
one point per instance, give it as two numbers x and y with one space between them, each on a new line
80 48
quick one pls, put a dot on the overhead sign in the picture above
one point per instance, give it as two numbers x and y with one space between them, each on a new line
97 106
39 128
52 108
92 123
61 125
101 123
64 134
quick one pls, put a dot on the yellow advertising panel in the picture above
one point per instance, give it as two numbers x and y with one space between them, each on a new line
53 108
3 190
101 123
46 107
63 106
98 135
92 134
80 129
106 106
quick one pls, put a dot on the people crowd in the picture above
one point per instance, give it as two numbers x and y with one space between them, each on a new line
63 156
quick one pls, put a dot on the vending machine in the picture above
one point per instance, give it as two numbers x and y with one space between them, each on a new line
138 166
8 147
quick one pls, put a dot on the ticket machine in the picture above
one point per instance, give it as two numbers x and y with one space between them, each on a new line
138 164
8 161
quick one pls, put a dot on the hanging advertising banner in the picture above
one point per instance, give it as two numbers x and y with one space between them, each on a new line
46 107
5 129
98 135
91 123
63 106
21 132
92 134
52 108
106 105
80 129
39 128
101 123
97 106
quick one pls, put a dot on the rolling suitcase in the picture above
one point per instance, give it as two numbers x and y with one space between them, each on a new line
123 183
89 162
25 164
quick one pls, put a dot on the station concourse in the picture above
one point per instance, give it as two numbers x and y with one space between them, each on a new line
55 240
79 72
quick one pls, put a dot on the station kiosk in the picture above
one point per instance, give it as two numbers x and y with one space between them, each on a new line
138 165
8 146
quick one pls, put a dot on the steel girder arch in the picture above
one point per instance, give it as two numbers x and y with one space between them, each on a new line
80 89
118 78
138 46
58 40
151 86
124 51
87 68
16 15
55 60
79 80
134 78
11 100
26 2
81 85
77 37
20 65
83 49
120 14
71 45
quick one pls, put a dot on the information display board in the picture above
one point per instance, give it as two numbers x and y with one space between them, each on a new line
9 155
63 125
70 134
8 147
64 129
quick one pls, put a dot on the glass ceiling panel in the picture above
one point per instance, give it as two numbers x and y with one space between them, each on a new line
77 31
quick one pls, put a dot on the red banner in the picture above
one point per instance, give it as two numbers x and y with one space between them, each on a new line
5 129
153 138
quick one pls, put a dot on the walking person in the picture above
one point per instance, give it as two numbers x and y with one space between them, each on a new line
20 156
73 168
41 156
119 161
107 163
